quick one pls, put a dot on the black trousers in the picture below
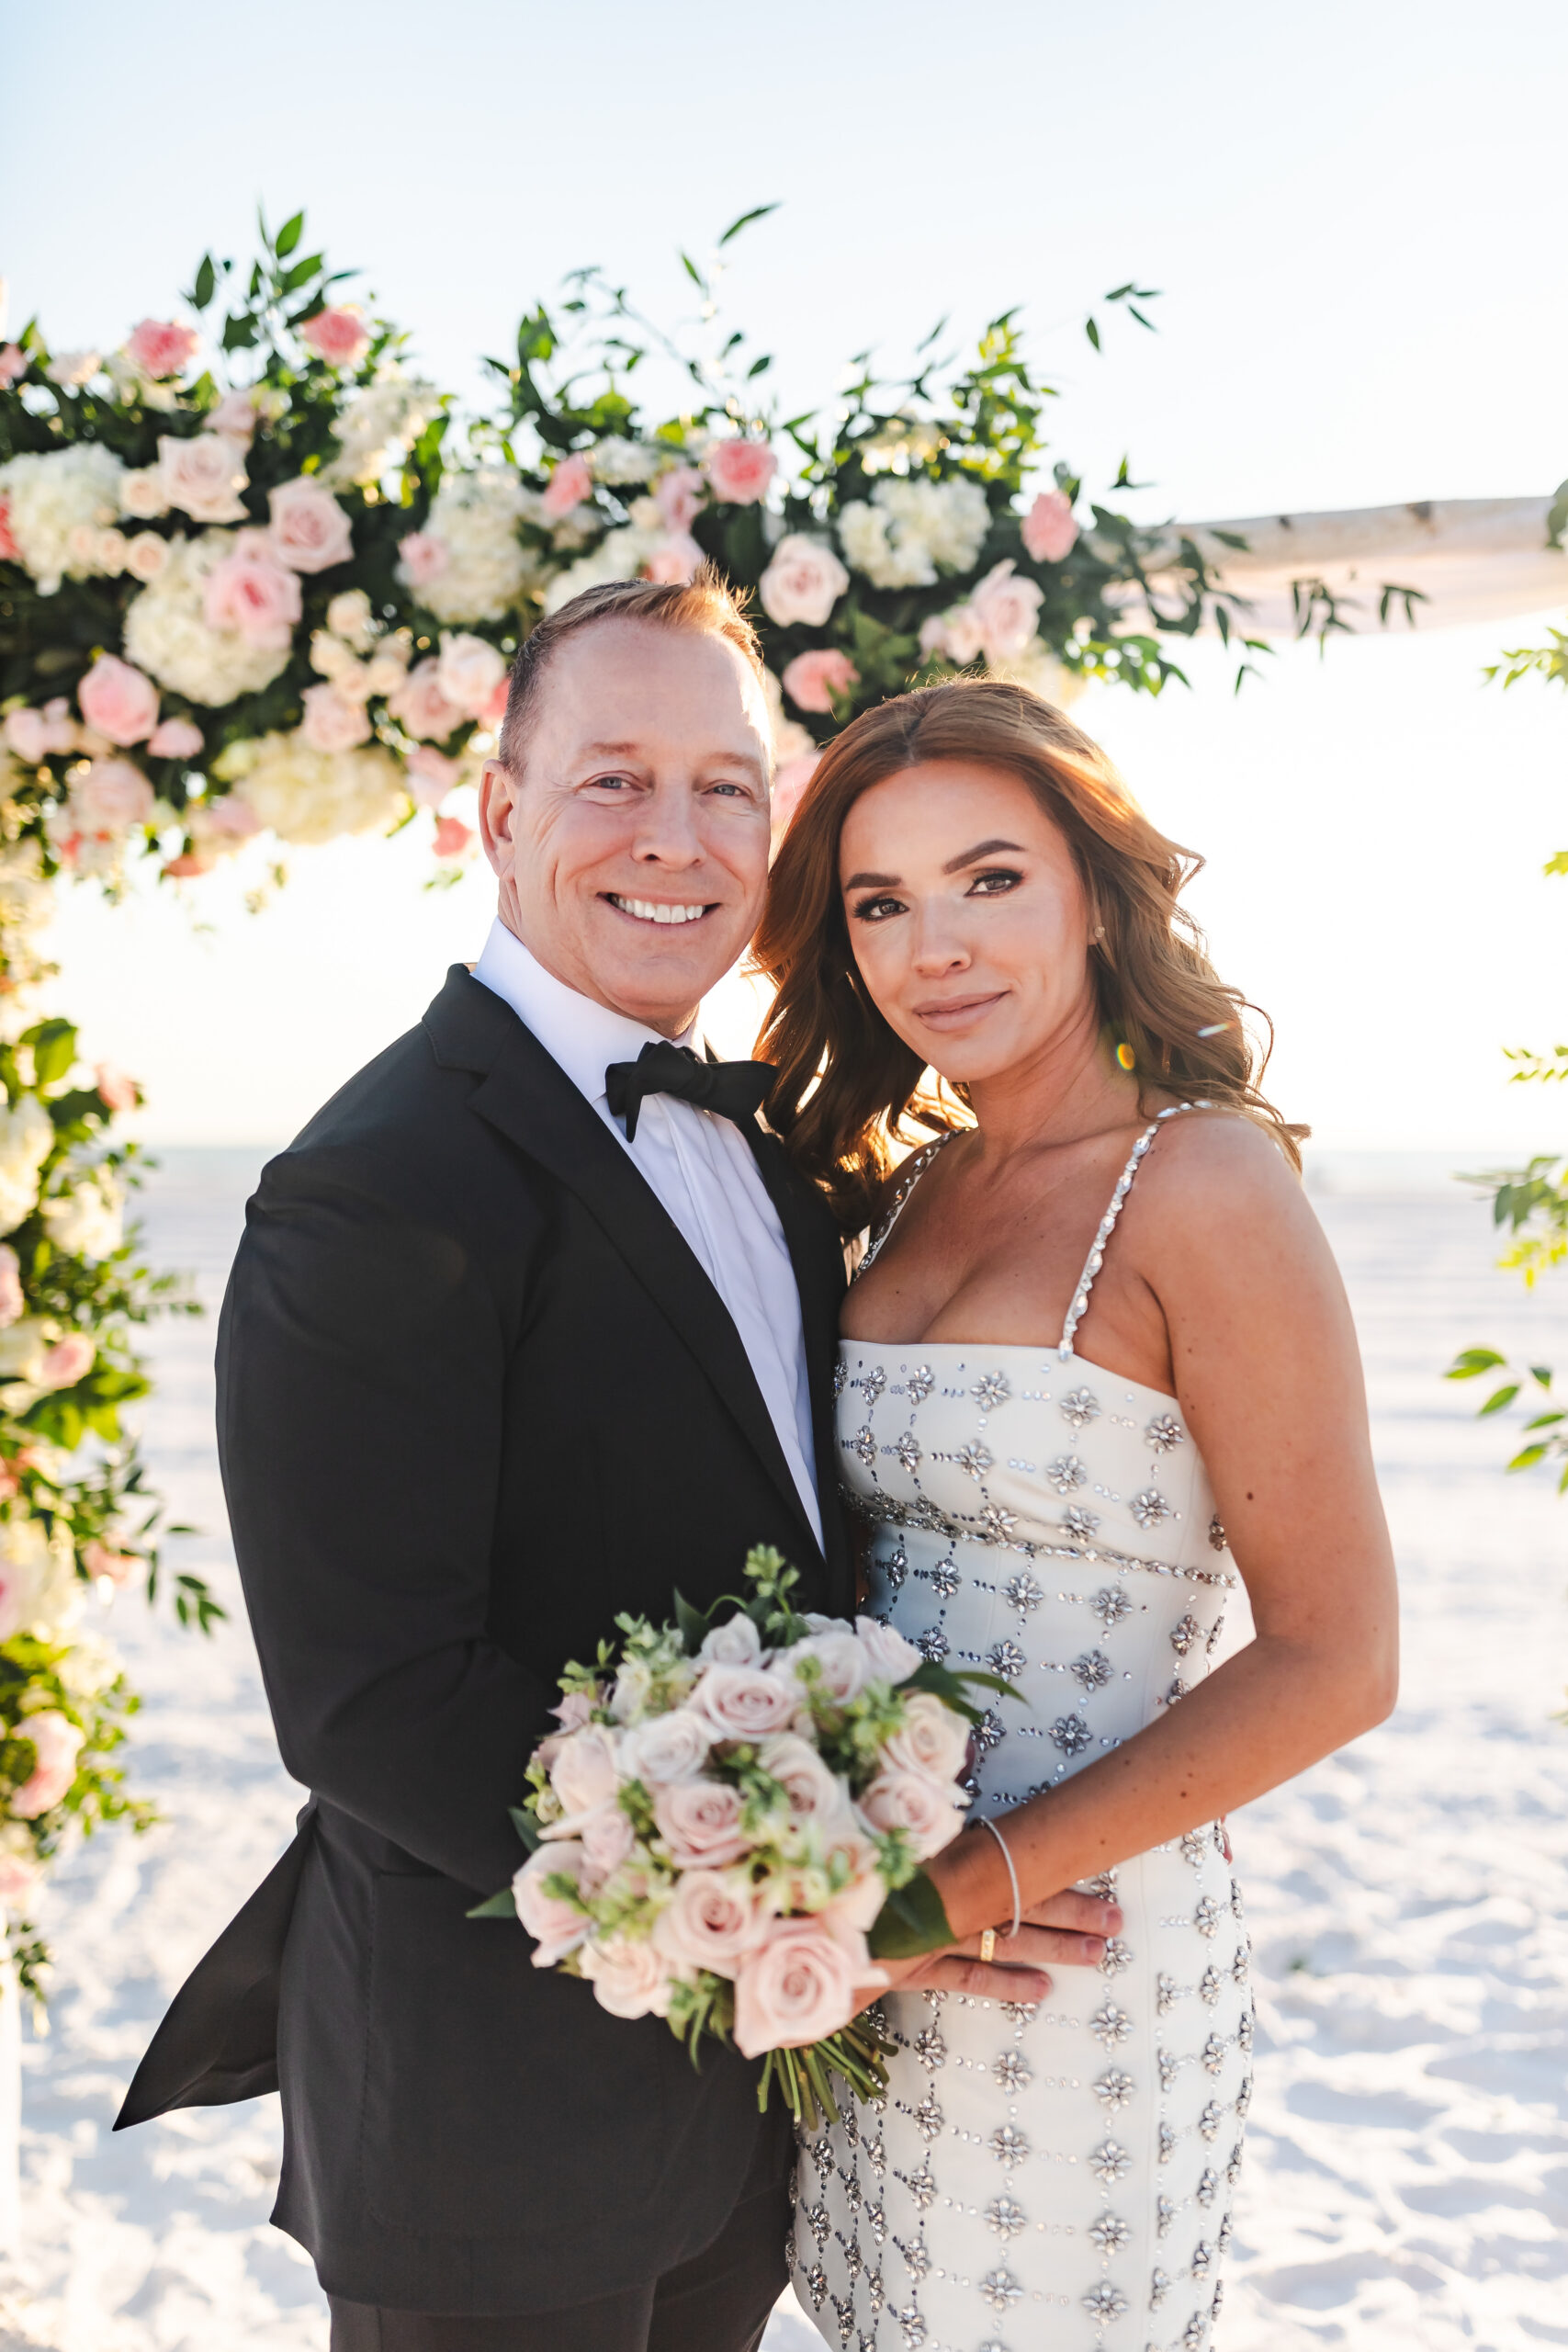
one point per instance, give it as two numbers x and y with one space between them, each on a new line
719 2302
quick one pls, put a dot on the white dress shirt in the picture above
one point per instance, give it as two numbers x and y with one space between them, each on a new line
701 1169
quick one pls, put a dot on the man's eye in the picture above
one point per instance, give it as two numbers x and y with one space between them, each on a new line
877 910
732 791
613 783
991 884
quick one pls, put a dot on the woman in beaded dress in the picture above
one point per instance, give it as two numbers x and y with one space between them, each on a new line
1062 1475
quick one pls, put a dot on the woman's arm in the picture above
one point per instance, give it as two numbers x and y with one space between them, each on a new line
1269 1382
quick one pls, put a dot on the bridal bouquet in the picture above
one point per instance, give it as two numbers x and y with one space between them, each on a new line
728 1827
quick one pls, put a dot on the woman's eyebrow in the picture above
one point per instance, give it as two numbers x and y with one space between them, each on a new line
981 849
870 882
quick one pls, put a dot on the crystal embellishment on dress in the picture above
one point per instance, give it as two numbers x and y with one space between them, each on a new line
1022 1593
1006 1658
1092 1671
1110 1605
1110 2234
990 1390
1164 1432
1071 1735
1013 2071
1080 1406
1000 2290
1111 2026
933 1645
920 1383
1149 1508
862 1445
944 1579
898 1566
1008 2144
973 1459
1078 1526
1114 2089
1067 1474
1104 2304
1184 1633
906 1449
1110 2161
1006 2218
1218 1540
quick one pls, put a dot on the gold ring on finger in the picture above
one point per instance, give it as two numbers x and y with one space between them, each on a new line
989 1946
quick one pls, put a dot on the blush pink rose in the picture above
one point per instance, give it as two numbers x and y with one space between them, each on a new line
606 1837
575 1711
735 1642
1006 609
57 1743
236 415
9 550
470 669
424 557
557 1927
568 487
800 1988
583 1775
332 722
203 477
146 556
339 335
69 1361
628 1976
225 819
20 1876
451 838
700 1823
789 790
111 796
802 583
431 775
813 1791
1049 531
13 363
672 1747
934 1740
813 679
102 1560
674 558
121 702
420 705
841 1663
175 738
13 1303
116 1091
158 347
908 1801
745 1701
738 471
27 734
891 1657
680 495
309 530
250 590
713 1921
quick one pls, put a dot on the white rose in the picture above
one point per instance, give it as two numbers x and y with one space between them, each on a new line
349 616
142 494
630 1977
203 476
146 555
88 1222
934 1738
468 671
26 1137
667 1747
334 721
584 1774
735 1642
890 1655
803 582
841 1663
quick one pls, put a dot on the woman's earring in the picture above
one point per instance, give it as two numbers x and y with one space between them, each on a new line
1099 930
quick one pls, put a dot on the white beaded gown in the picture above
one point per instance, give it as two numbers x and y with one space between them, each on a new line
1059 2179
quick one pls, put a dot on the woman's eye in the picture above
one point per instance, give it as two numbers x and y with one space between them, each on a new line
991 884
877 910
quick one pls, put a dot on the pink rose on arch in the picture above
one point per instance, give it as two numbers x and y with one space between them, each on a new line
57 1743
19 1877
121 702
927 1812
813 679
628 1977
309 531
469 670
203 477
159 347
69 1361
13 1303
113 795
738 471
557 1927
116 1091
332 722
339 335
420 705
680 495
711 1922
1049 531
13 363
802 584
451 837
1005 609
568 487
422 557
102 1560
800 1988
250 592
175 738
674 558
789 790
700 1823
745 1701
226 819
431 777
27 734
236 415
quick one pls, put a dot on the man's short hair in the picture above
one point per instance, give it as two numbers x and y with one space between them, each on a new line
706 602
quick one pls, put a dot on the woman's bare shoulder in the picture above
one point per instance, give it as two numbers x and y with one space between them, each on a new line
1219 1171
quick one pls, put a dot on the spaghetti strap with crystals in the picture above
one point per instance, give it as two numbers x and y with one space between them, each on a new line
914 1169
1096 1258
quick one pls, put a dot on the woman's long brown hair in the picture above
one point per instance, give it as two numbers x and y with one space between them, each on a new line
846 1082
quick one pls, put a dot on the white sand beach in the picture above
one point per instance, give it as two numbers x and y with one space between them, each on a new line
1407 2184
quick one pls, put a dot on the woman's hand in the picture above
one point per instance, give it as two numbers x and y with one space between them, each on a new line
1068 1930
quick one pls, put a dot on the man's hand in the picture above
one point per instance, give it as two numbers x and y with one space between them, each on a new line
1068 1930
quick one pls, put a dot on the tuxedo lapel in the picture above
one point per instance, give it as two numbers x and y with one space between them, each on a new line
528 1097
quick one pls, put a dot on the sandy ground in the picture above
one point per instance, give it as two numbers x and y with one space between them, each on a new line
1408 2175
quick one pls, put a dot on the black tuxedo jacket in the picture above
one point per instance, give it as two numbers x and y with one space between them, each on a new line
475 1396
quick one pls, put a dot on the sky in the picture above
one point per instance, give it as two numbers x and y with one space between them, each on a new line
1352 215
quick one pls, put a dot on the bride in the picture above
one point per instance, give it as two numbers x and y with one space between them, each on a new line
1097 1367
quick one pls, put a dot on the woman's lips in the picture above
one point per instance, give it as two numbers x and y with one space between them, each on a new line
942 1016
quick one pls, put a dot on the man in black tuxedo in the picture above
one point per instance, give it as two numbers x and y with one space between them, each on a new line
511 1346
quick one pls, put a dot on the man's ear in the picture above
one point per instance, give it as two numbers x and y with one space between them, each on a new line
498 805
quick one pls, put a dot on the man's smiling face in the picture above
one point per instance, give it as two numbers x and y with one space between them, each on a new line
632 849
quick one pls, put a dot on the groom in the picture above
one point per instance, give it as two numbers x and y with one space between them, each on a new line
532 1325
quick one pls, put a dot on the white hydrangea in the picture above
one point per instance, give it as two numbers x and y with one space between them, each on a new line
309 796
166 633
1038 669
26 900
26 1137
40 1592
907 532
475 517
88 1668
60 503
379 424
616 460
620 555
89 1221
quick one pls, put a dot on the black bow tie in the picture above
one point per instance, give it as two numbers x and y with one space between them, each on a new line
736 1090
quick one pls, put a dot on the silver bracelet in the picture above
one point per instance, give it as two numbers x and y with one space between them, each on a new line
1012 1875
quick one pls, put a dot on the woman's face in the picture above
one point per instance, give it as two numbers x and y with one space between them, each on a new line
966 915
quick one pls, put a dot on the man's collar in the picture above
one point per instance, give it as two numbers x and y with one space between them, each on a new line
583 1036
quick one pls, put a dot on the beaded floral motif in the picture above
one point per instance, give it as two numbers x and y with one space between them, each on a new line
1165 1432
1066 1473
1071 1735
907 1450
990 1390
1149 1508
920 1383
1022 1593
1080 1406
1078 1526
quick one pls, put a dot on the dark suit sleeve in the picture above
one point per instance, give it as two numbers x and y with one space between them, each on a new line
361 1364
